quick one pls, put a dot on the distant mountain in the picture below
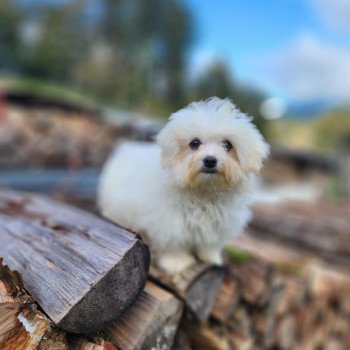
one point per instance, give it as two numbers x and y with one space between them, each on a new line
308 110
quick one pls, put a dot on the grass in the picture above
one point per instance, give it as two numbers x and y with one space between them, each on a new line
325 133
237 255
47 89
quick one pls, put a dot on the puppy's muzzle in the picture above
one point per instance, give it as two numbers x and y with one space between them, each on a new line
209 164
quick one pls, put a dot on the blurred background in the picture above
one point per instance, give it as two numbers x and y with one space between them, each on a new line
68 66
77 76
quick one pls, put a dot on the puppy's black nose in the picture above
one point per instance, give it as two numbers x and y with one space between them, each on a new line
210 162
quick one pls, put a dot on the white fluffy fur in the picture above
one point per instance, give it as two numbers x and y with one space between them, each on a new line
160 191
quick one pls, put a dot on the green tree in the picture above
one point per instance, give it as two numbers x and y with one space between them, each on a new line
60 44
11 18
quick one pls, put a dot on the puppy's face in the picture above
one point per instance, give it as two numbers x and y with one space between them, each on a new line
211 145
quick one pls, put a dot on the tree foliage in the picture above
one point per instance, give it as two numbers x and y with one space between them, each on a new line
127 52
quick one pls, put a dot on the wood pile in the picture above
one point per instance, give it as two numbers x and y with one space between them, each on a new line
308 302
270 294
322 229
287 283
41 137
51 136
286 286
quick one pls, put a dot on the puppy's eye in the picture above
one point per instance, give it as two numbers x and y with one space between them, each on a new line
195 143
227 145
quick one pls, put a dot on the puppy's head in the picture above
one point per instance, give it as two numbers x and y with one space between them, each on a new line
211 144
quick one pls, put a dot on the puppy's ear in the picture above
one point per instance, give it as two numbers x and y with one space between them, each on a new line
167 143
252 150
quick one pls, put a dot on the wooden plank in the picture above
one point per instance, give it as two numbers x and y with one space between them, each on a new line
197 286
151 323
83 271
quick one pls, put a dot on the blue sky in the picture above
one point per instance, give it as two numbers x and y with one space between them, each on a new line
295 49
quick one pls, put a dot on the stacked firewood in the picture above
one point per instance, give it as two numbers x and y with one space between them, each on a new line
54 137
269 295
262 305
287 283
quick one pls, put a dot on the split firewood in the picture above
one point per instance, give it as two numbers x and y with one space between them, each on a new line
197 286
203 336
240 341
286 333
75 342
84 272
22 326
182 340
254 281
151 323
226 299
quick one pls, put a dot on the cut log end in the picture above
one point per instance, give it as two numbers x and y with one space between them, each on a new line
197 286
202 292
112 295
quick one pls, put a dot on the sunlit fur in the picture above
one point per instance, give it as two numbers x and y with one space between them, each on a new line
162 192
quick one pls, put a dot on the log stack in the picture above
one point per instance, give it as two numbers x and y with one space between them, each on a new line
287 283
271 294
24 327
262 305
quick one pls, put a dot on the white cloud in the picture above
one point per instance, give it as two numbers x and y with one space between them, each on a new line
308 70
335 13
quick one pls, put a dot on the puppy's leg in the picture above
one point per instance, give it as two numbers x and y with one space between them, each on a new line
174 262
211 255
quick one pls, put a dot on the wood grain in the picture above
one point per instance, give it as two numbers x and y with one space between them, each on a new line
151 323
83 271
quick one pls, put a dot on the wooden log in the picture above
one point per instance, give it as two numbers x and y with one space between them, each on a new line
240 341
286 333
22 326
197 286
151 323
254 280
226 300
83 271
241 321
182 340
320 229
203 336
304 159
75 342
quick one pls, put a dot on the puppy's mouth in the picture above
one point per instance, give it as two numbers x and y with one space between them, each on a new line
209 171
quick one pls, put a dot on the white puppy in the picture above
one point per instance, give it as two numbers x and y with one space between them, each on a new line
188 195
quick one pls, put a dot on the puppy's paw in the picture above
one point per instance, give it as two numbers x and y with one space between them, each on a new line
173 263
212 256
